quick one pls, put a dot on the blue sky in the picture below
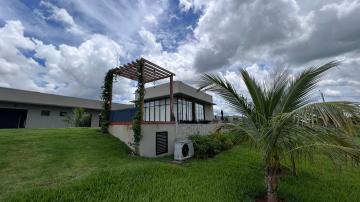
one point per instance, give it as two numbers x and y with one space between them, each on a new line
65 47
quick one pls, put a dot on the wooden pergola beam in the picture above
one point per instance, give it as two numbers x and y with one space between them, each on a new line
151 72
158 67
130 70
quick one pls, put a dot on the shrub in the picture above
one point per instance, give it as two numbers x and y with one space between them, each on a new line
79 118
224 140
207 146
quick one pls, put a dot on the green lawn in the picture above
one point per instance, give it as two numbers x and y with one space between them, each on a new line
84 165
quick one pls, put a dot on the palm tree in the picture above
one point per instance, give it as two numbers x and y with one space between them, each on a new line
79 118
281 120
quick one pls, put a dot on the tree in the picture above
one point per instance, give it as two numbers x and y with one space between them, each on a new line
282 121
79 118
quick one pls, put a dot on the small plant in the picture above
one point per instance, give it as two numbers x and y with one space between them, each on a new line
207 146
79 118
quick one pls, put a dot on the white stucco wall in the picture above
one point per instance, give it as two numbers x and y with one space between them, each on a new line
185 130
123 132
148 141
209 112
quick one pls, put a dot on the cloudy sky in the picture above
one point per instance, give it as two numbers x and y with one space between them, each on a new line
65 47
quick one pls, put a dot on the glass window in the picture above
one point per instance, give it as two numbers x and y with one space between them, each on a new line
180 109
199 112
184 109
158 110
157 113
184 104
147 113
45 113
189 111
167 112
151 115
162 112
63 113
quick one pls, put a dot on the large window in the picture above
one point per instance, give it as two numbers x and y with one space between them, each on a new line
184 110
199 112
45 113
157 110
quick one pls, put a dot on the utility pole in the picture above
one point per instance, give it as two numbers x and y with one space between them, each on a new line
322 96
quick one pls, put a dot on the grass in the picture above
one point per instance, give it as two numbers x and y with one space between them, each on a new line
84 165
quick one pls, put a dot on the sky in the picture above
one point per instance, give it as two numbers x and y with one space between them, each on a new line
66 47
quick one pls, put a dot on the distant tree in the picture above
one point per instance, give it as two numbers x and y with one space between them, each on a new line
79 118
282 121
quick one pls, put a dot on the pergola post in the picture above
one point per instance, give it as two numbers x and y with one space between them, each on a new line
172 116
142 86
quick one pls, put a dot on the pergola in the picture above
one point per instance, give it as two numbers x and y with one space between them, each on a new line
151 72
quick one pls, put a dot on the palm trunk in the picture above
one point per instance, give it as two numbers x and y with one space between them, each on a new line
271 184
293 166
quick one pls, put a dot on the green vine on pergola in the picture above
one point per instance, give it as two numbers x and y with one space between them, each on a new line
142 71
140 91
106 98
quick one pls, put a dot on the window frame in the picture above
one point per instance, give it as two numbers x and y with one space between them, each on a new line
62 114
42 112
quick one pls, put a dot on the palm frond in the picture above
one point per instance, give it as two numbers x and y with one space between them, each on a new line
255 91
330 114
227 91
299 91
275 93
280 121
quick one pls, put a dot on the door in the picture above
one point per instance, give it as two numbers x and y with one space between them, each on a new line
12 118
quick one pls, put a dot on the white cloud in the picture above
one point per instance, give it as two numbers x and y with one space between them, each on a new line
121 20
149 41
79 71
17 70
229 34
342 8
61 15
186 5
331 92
69 70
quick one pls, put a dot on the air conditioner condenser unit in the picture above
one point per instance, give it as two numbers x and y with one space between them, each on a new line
184 149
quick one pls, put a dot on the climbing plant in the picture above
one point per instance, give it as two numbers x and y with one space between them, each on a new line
106 98
140 91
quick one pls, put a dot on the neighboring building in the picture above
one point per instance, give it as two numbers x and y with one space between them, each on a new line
193 111
28 109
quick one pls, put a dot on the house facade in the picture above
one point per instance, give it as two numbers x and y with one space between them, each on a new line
28 109
193 112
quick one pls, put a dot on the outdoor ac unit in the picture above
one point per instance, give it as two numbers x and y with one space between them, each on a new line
184 149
